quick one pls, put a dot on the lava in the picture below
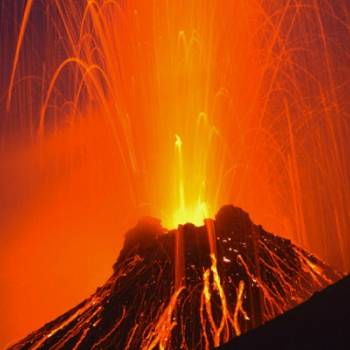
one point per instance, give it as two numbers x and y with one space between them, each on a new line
157 299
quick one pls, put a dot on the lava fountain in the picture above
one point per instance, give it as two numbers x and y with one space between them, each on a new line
114 109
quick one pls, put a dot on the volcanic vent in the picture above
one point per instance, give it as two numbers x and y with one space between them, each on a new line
190 288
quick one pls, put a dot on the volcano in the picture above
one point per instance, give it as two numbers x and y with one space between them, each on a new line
189 288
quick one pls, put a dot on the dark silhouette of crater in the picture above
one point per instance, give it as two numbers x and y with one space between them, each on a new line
321 323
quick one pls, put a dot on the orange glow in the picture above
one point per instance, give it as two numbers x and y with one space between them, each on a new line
114 109
191 206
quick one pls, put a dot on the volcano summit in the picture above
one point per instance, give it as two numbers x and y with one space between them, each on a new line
190 288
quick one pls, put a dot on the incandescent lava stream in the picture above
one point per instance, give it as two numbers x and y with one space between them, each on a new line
189 288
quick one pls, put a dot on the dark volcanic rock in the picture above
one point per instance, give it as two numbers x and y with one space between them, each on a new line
176 290
322 322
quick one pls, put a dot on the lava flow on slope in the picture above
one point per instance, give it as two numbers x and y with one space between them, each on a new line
189 288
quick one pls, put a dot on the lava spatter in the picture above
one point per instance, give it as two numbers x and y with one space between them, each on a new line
190 288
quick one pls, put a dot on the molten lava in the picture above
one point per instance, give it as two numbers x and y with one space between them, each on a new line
228 277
